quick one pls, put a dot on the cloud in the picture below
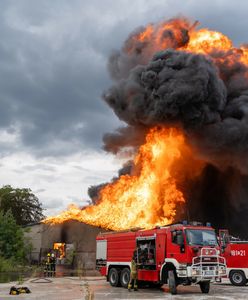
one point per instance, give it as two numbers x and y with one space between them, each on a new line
52 80
57 182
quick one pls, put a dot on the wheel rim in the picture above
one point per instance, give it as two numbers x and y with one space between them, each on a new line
125 278
113 277
237 278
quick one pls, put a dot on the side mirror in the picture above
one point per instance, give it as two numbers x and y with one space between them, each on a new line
223 248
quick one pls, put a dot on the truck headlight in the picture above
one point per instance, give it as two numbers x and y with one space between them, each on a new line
222 271
182 272
195 272
182 266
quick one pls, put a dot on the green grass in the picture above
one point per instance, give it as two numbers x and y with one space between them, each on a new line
7 265
10 270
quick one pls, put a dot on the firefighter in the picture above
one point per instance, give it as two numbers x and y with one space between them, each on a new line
53 264
133 274
48 265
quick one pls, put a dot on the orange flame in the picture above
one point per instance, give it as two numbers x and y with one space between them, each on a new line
60 247
146 34
202 41
244 55
146 199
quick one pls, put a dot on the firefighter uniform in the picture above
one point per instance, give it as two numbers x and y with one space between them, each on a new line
53 264
133 276
48 270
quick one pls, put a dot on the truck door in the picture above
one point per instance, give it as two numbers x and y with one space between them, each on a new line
146 248
101 252
176 245
160 248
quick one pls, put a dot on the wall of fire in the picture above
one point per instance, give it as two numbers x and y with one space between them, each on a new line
73 242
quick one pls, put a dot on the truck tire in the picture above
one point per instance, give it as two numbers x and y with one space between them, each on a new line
125 277
205 286
172 282
114 277
237 277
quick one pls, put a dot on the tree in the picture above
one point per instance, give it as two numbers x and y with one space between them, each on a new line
12 245
23 204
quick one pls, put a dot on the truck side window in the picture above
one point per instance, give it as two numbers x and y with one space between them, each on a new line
177 237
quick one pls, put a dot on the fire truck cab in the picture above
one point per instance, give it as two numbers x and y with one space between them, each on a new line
176 254
235 252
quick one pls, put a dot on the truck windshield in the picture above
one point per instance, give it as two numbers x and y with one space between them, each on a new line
201 237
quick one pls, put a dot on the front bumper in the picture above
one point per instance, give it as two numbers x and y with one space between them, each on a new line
202 272
204 267
211 272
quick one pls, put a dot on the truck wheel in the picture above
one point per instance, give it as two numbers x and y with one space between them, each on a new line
205 286
237 277
113 277
125 277
172 282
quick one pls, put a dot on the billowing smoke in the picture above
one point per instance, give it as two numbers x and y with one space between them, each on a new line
125 139
174 87
158 82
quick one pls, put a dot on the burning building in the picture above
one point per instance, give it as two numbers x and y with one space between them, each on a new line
182 92
72 242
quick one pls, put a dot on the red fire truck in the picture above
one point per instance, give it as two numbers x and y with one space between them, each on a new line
176 254
235 252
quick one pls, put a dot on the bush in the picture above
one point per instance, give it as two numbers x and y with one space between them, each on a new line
6 265
12 244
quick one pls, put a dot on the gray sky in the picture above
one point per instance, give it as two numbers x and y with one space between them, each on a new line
53 57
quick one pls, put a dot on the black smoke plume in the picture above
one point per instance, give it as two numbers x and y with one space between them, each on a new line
175 87
205 95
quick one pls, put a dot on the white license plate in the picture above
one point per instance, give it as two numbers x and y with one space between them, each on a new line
209 273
